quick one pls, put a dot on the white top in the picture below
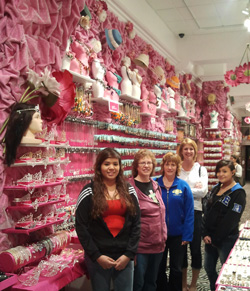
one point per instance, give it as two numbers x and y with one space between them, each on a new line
192 177
238 170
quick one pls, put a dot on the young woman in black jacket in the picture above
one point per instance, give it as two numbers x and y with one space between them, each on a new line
221 219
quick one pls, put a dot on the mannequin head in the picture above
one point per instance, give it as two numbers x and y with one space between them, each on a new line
24 120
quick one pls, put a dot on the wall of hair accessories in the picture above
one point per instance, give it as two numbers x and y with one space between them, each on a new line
100 85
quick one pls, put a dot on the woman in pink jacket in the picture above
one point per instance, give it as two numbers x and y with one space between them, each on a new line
153 225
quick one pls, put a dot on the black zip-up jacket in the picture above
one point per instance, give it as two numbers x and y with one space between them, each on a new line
95 236
222 214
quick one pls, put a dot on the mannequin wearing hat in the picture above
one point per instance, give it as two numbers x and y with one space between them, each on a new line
214 121
126 84
136 84
98 71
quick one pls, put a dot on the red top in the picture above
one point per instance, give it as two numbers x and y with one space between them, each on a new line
114 217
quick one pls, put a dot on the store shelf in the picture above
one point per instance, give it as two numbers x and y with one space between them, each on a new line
46 144
129 98
183 117
78 78
41 163
28 231
145 114
26 207
162 110
173 110
32 186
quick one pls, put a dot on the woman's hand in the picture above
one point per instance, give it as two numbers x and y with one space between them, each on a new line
106 262
207 240
121 262
184 243
198 185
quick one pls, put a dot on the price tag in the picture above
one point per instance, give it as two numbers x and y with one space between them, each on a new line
113 106
152 120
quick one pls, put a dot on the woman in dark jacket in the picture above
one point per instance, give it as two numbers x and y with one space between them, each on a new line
223 211
108 224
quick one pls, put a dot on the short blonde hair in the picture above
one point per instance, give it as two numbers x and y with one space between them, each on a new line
191 142
171 157
140 155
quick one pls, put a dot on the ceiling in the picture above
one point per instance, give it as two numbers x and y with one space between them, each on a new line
219 20
214 38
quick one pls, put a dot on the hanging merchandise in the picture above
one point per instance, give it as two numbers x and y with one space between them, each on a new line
241 74
83 102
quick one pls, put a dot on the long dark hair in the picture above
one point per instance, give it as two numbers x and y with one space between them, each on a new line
99 188
19 121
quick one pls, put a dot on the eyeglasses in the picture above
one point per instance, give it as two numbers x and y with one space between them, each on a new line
145 164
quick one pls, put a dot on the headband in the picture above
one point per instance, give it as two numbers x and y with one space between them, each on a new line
36 108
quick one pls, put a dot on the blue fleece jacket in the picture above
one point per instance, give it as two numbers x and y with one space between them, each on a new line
179 203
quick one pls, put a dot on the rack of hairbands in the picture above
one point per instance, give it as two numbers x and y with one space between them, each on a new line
17 257
212 154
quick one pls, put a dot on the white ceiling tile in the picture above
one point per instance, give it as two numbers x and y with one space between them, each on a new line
203 11
209 22
161 4
185 13
197 2
169 15
177 26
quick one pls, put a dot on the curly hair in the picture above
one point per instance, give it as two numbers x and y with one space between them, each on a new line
171 157
140 155
188 141
19 121
99 188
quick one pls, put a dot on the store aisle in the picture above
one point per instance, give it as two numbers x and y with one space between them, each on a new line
203 284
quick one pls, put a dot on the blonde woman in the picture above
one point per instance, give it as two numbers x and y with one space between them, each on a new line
153 226
179 203
197 178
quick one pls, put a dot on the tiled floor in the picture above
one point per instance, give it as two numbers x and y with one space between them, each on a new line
203 284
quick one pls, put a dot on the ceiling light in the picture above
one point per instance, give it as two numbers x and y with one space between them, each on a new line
247 23
247 9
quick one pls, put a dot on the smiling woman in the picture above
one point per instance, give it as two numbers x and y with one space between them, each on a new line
108 224
179 203
152 240
221 218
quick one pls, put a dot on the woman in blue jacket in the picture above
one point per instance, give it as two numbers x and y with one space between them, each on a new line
179 203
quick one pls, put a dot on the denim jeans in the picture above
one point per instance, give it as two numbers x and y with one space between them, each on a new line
176 252
146 271
101 279
195 245
212 254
